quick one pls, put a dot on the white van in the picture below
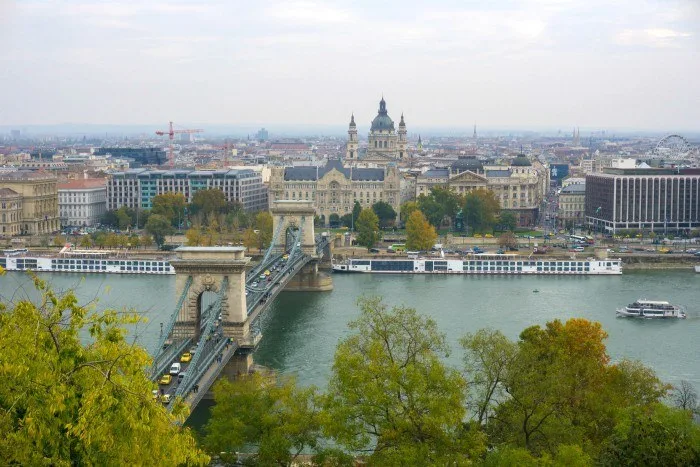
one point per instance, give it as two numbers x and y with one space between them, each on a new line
175 369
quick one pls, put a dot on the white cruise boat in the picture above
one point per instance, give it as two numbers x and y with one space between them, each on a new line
697 268
651 309
83 261
482 264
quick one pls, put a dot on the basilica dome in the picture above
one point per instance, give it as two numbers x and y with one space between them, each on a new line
382 121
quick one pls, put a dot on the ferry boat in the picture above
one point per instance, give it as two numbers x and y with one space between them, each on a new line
482 264
651 309
83 261
697 268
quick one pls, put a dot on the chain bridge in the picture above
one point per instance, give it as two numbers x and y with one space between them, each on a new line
214 328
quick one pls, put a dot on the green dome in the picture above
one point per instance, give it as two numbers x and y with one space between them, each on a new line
521 161
382 121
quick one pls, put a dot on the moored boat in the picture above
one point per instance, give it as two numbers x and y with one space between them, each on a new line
481 264
697 268
651 309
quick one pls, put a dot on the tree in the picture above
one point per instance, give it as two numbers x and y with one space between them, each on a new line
207 202
159 227
334 220
85 242
420 235
146 241
654 435
431 209
385 213
685 397
406 209
277 418
487 360
264 223
390 393
193 236
367 227
124 220
59 241
450 201
65 403
481 209
508 240
250 238
356 210
170 205
347 221
507 220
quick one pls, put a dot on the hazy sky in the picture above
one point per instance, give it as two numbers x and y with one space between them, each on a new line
524 63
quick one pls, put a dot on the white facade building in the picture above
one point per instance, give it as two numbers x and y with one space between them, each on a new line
81 203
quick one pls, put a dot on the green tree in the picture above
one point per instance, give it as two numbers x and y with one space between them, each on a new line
406 209
124 218
347 221
276 418
207 202
334 220
264 224
481 209
450 201
367 228
385 213
420 235
170 205
390 393
655 435
356 210
65 403
507 220
159 227
431 209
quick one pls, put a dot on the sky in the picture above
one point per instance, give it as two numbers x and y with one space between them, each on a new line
632 64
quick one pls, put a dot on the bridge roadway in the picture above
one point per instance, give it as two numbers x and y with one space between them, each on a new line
213 351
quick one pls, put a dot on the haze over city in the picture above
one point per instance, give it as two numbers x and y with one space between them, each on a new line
529 64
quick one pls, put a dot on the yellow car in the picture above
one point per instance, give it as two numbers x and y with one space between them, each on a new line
165 379
186 357
267 273
477 235
488 236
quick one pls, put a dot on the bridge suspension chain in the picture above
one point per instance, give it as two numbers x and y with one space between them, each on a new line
263 263
193 373
171 324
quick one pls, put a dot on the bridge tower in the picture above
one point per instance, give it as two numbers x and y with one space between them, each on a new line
295 214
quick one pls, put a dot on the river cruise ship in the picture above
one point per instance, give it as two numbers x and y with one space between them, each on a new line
651 309
83 261
483 264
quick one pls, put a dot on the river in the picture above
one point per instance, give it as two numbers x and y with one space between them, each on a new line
301 330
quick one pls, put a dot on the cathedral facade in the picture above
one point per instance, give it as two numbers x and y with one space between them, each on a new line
386 144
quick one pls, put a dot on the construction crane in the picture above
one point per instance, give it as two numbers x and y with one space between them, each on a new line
171 135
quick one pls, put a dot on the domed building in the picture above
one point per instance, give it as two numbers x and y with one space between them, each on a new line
385 143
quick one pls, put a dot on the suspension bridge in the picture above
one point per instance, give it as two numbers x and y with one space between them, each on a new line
214 327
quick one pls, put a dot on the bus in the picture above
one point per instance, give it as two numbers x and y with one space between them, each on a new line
588 240
397 247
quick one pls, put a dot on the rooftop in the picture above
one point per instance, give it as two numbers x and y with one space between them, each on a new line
83 184
26 175
574 188
6 193
315 173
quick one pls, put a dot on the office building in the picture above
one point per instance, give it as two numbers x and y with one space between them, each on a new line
136 188
572 205
649 199
142 156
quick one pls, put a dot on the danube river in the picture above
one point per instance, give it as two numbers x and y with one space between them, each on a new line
301 330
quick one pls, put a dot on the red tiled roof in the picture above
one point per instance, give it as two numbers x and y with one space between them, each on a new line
83 183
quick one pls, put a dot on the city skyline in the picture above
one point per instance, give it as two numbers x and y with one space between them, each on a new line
535 64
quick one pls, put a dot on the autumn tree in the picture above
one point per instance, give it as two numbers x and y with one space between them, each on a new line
85 241
385 213
67 403
250 238
208 202
391 394
508 240
406 209
271 416
367 228
194 236
59 241
263 223
420 235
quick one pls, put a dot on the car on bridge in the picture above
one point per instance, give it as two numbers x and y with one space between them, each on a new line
186 357
165 380
175 369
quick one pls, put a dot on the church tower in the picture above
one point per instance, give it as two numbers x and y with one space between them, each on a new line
402 138
420 144
353 143
383 140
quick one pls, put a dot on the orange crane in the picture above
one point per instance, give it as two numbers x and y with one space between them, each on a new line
171 135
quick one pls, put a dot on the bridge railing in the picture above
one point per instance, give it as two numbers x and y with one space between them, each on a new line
263 263
208 380
167 331
194 369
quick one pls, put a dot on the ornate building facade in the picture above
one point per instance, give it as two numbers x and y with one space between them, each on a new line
39 200
520 187
334 188
385 143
